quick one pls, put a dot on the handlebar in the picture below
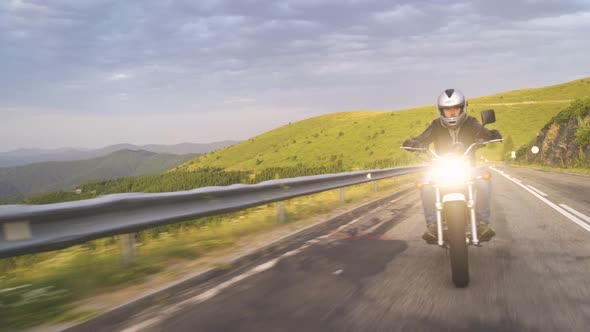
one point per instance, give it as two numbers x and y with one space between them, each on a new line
421 150
481 144
476 144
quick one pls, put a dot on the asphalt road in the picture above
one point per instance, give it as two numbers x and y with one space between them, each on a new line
376 274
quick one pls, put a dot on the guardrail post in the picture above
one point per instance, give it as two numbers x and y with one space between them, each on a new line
128 248
375 186
280 212
341 194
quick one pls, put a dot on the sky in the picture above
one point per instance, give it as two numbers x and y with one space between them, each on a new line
92 73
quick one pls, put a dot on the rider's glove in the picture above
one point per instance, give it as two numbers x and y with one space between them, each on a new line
412 143
495 134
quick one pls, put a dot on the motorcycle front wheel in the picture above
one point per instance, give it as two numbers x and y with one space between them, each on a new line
456 222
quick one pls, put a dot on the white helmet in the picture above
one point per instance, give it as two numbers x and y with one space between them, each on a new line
451 98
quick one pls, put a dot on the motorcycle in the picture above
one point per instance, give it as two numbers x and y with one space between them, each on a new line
452 180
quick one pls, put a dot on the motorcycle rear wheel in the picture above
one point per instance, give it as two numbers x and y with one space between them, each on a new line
456 222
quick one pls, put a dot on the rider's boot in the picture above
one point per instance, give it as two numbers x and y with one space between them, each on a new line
430 235
485 232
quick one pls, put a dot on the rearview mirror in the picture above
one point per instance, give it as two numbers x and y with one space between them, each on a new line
487 117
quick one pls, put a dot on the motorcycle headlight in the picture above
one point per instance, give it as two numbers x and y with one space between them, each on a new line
451 171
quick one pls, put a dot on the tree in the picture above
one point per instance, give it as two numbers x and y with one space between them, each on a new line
508 146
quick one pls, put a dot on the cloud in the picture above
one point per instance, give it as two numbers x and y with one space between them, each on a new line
20 6
400 13
151 57
571 20
239 100
284 7
119 77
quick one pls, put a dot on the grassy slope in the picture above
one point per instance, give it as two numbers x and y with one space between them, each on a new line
350 137
564 91
368 136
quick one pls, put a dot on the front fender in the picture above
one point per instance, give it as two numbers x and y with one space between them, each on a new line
453 197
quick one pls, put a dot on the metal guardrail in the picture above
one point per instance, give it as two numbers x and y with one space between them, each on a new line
26 229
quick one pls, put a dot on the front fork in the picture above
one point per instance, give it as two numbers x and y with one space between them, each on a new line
470 206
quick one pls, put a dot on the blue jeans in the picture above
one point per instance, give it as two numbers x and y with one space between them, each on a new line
482 191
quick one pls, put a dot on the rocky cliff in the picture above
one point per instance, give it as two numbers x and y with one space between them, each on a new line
564 141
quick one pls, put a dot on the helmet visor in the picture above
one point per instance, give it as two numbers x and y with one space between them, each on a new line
452 111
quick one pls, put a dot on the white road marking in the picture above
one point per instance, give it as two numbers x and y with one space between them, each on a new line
265 266
208 294
292 253
141 326
515 179
538 191
212 292
554 206
350 223
579 214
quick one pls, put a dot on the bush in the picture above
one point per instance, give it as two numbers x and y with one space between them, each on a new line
522 150
508 147
579 108
583 132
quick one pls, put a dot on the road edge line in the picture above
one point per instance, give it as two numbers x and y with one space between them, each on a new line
551 204
299 237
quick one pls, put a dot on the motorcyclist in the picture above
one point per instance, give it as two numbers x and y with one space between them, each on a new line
454 127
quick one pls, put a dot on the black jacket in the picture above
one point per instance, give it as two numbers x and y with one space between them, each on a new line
469 132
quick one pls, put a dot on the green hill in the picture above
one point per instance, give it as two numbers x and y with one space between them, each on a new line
48 176
363 139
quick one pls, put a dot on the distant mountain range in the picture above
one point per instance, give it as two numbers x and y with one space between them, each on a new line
28 156
17 182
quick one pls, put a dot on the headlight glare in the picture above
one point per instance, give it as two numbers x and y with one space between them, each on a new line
451 171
